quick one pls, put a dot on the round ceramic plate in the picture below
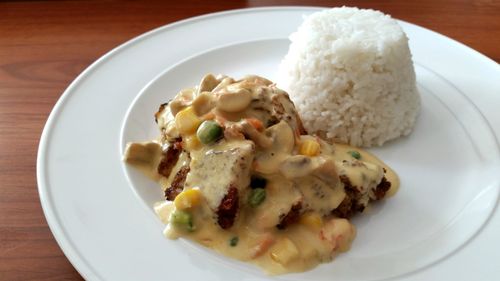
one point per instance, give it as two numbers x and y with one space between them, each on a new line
443 221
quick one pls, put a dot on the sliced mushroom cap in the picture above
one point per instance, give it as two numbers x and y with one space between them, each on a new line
170 132
208 83
269 160
300 166
282 136
181 101
326 171
143 153
224 82
203 103
257 137
233 99
297 166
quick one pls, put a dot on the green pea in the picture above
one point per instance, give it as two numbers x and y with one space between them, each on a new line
182 219
209 131
355 154
233 241
257 196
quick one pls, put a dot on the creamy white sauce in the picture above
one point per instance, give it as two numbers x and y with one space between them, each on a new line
255 228
312 180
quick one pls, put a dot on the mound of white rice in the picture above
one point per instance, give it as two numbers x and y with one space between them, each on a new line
349 72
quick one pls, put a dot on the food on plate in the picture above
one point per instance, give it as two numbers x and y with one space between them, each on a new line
241 175
349 72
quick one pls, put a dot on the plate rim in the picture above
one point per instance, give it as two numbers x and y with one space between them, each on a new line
78 261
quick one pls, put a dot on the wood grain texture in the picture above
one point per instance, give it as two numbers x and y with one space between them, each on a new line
44 45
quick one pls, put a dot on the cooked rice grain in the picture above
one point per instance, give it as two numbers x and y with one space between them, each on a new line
350 73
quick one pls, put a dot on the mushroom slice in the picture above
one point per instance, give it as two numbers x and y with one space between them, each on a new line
182 100
203 103
298 166
224 82
268 160
232 99
257 137
208 83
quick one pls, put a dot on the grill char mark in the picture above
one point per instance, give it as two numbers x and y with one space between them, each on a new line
226 212
169 158
177 184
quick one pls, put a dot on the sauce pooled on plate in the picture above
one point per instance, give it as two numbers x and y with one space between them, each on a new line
241 176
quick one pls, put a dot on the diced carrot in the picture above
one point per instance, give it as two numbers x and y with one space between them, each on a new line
209 116
338 233
262 246
221 120
256 123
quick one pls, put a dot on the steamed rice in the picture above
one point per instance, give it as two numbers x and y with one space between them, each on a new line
349 72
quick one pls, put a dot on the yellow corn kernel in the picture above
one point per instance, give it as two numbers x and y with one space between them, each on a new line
284 251
309 147
187 121
192 142
312 220
187 199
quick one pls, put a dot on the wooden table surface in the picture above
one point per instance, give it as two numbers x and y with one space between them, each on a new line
44 45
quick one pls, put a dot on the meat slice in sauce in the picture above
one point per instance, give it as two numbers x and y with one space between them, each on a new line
278 207
301 182
317 180
284 109
177 184
291 217
350 205
355 201
382 188
219 168
169 158
226 212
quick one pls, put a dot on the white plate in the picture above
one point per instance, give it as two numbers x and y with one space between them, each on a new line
443 222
